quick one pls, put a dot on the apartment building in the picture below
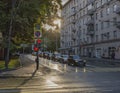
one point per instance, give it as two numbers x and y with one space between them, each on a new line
91 28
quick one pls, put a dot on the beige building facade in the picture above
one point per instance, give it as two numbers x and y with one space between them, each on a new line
91 28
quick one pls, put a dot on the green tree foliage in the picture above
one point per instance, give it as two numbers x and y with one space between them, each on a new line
26 13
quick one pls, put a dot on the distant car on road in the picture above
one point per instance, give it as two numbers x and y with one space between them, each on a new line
64 59
57 57
75 60
50 56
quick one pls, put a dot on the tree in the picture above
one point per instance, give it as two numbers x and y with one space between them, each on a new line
25 14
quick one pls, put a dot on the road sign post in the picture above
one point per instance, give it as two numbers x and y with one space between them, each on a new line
37 35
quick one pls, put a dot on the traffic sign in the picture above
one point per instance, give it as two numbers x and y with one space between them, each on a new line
37 31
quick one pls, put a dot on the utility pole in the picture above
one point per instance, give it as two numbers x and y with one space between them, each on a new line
9 35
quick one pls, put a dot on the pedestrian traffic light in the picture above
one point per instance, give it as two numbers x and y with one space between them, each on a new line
39 43
36 48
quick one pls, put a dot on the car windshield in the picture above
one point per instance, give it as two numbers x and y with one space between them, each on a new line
65 56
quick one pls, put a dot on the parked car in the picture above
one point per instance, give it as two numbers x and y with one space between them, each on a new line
34 53
57 57
75 60
64 59
45 54
50 55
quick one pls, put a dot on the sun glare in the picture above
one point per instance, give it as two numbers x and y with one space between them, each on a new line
57 22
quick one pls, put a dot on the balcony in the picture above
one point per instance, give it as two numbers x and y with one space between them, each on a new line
117 11
91 11
90 32
90 22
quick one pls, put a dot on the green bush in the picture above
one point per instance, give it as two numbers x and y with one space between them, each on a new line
14 63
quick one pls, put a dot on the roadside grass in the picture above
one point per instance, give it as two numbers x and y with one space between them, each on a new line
14 63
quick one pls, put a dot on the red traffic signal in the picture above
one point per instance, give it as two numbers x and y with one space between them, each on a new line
36 48
39 41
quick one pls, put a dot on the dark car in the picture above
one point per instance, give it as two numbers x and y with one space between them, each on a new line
75 60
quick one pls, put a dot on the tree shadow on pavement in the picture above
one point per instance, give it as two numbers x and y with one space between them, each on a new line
10 90
27 80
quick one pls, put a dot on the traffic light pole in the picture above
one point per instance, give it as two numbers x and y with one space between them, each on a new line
37 53
37 61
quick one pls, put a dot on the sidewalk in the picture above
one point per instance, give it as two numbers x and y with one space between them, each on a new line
26 69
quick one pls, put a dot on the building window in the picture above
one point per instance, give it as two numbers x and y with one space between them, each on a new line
115 34
114 21
97 5
108 23
103 2
96 27
88 39
108 35
108 11
96 16
101 13
102 26
102 37
114 7
96 38
83 12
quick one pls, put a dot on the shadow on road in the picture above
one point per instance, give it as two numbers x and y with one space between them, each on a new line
27 80
10 90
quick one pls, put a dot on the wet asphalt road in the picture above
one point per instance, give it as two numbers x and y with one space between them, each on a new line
54 77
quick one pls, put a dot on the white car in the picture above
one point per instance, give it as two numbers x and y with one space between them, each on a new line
64 59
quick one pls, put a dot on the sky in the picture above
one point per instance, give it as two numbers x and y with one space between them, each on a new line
56 21
64 1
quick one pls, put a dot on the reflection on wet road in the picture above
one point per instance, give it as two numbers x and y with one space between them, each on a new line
66 68
54 77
